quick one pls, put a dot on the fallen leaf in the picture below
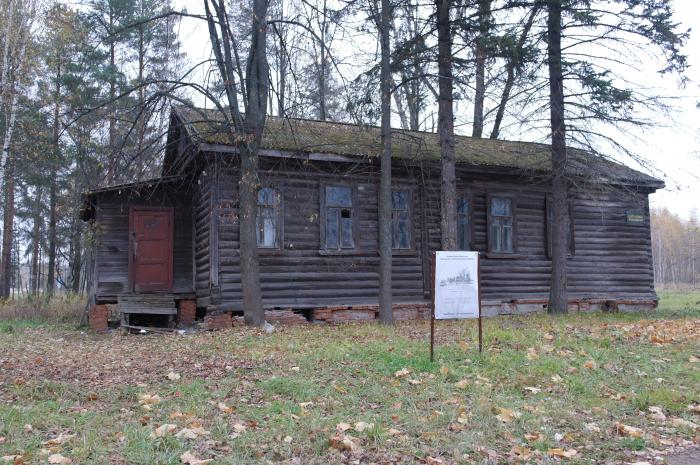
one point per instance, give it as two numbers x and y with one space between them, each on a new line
521 451
629 431
191 433
532 390
506 415
463 384
58 459
395 432
11 458
657 413
565 453
361 426
592 427
225 408
532 354
533 437
444 370
693 408
172 376
58 440
163 429
694 359
188 458
288 439
683 423
342 427
590 364
343 442
403 372
414 382
433 460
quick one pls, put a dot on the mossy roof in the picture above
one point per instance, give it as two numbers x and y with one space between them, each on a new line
325 137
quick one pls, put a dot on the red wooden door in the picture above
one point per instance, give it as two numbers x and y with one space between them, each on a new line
151 249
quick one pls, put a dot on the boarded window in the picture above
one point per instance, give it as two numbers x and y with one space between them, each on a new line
338 218
400 219
571 243
500 224
268 218
463 223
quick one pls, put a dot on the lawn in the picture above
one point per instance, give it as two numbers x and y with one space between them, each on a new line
583 388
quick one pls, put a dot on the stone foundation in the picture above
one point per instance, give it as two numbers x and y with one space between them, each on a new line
186 312
98 318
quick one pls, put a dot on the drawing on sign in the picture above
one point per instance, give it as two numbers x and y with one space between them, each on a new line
456 286
462 278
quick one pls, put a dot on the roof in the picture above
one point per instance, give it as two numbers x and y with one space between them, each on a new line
206 126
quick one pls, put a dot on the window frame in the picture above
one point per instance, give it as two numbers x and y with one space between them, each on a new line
571 245
470 218
514 222
409 210
323 250
279 217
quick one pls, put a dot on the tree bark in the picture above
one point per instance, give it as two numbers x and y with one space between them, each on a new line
53 197
386 313
36 244
112 149
448 187
76 257
558 292
257 76
480 73
7 228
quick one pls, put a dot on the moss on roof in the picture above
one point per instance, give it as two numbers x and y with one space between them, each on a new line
311 136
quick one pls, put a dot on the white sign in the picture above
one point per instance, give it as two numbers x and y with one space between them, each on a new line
456 285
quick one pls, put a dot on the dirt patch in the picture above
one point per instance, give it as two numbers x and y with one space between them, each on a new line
689 457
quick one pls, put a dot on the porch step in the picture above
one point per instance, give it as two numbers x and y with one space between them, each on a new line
151 304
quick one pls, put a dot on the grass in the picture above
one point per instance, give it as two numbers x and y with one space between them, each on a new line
542 384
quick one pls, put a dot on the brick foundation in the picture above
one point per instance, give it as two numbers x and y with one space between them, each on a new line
218 321
186 312
285 317
97 317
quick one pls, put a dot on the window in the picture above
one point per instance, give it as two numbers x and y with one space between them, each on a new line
463 224
268 219
338 218
569 228
500 224
400 219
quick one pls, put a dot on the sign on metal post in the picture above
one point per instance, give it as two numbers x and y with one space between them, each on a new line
456 290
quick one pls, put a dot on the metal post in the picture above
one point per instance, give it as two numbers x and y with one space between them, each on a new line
432 307
478 282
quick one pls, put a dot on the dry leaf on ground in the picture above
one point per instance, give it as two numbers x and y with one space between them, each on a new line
189 459
58 459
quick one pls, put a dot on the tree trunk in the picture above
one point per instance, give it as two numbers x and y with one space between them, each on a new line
322 68
142 104
513 61
76 258
7 228
257 75
386 313
53 198
480 73
112 149
558 293
448 187
36 244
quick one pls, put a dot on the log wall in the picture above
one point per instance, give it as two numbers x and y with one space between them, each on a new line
612 257
112 236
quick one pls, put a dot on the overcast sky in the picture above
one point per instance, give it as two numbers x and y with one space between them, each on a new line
672 149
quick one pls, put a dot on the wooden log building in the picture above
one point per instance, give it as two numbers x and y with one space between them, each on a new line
175 238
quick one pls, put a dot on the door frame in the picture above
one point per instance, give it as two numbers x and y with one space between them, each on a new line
138 208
